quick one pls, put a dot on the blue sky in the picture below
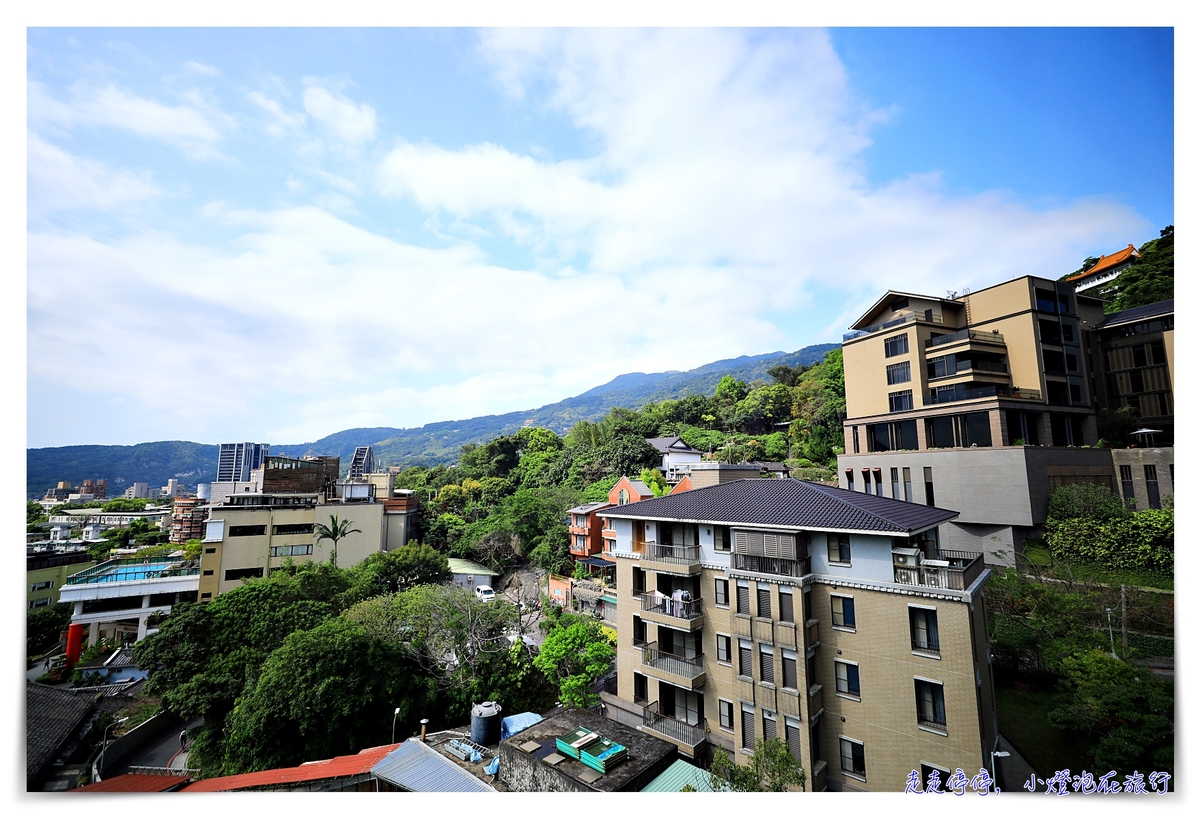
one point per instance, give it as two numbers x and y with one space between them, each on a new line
276 234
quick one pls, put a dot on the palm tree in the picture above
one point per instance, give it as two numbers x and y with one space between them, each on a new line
336 530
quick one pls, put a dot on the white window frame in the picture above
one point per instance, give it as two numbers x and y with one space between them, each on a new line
858 776
847 628
732 719
855 697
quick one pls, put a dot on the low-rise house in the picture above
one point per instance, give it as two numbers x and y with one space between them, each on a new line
468 574
677 456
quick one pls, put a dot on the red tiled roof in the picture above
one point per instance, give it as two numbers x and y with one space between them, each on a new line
135 782
1106 262
309 771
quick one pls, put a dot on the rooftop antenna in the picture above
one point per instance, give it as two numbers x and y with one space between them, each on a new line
952 293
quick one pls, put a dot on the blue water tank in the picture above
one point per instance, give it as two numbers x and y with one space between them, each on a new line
485 723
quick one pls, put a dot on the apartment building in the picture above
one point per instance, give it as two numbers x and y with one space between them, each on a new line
235 461
187 519
981 403
47 572
834 620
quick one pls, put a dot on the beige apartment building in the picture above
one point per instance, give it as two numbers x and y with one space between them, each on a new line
981 403
832 619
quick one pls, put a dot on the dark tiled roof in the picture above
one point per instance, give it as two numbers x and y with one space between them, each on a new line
1142 313
51 718
787 502
670 444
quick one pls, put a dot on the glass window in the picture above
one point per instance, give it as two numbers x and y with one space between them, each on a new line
791 729
853 758
743 597
745 658
1127 482
748 727
850 479
764 601
899 373
1152 495
900 401
839 547
766 662
785 605
722 592
895 484
843 611
908 495
896 345
721 538
790 679
847 678
928 486
768 724
725 709
723 647
899 303
854 431
931 705
923 628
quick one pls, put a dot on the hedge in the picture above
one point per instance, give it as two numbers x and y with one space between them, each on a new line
1140 540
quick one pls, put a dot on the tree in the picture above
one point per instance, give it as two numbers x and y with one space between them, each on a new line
34 513
1125 712
771 768
1115 425
336 531
324 692
409 565
1151 278
655 480
43 626
574 657
1086 501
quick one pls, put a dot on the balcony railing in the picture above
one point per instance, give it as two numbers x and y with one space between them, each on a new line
961 392
931 723
772 565
688 668
966 335
904 318
666 606
925 645
687 734
956 570
130 570
677 554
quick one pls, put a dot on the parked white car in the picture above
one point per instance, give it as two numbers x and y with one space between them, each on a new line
485 593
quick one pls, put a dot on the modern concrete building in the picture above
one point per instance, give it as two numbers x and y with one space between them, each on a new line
116 598
187 519
363 463
235 461
981 403
47 572
832 619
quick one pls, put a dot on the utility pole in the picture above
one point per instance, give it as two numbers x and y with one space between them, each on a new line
1124 623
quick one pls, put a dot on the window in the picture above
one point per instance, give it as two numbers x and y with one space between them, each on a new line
768 724
721 539
931 705
785 605
899 304
900 401
247 530
847 677
764 600
814 735
947 431
725 714
39 603
1045 300
866 481
878 483
242 573
843 611
579 521
210 550
790 679
908 485
723 647
745 659
850 479
895 484
941 367
639 632
899 373
293 528
209 572
854 434
927 772
928 486
766 663
639 581
1152 486
808 614
743 597
1076 393
1158 352
622 497
1050 332
853 758
722 592
791 734
896 436
747 727
896 345
291 550
1072 362
839 547
41 586
640 688
1068 333
206 595
922 623
1127 482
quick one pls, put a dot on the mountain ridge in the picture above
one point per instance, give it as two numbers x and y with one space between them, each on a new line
427 445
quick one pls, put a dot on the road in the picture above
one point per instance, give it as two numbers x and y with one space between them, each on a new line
157 752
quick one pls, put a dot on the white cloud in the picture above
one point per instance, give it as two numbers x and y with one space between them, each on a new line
352 123
281 121
60 180
187 127
202 68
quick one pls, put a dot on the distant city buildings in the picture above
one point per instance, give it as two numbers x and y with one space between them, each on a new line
235 461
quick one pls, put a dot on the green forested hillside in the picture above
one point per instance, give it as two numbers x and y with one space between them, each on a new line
434 443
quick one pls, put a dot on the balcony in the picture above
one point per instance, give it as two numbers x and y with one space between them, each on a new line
955 571
960 392
772 565
664 610
133 570
688 737
670 559
906 317
678 670
969 335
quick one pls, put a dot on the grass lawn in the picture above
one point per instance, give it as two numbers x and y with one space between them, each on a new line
1022 715
1040 556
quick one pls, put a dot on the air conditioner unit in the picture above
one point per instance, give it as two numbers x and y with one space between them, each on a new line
906 556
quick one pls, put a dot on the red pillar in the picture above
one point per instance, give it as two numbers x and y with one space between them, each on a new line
74 642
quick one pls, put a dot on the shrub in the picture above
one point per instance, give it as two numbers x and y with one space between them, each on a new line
1086 501
1138 540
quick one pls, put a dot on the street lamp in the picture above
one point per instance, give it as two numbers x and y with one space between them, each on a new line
995 755
394 717
104 742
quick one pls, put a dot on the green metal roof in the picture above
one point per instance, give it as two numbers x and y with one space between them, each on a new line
679 775
459 566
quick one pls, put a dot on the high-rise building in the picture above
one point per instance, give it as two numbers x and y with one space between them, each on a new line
235 461
831 619
363 463
187 519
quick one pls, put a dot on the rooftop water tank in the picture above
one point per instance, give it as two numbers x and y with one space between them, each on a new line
485 723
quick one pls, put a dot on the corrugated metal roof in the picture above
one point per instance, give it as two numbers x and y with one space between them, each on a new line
679 775
790 503
460 566
135 782
309 771
417 767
